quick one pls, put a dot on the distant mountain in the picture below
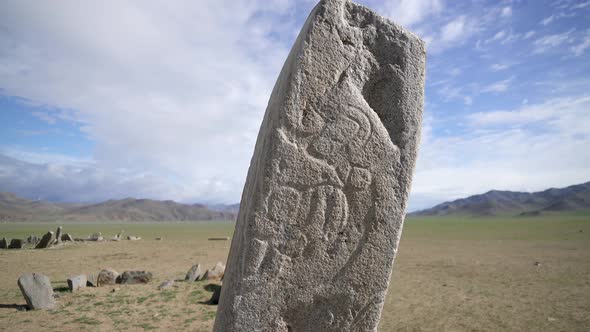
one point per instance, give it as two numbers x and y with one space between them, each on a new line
231 208
14 208
494 203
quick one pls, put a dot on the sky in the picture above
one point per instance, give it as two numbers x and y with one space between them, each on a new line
164 99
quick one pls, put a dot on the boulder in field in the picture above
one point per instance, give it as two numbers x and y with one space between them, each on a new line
96 237
194 273
77 282
16 244
106 277
3 243
67 237
216 273
37 291
133 238
32 239
134 277
166 284
45 241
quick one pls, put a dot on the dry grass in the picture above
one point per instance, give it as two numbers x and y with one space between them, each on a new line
475 275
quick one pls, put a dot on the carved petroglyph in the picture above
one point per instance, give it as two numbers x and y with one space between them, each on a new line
323 205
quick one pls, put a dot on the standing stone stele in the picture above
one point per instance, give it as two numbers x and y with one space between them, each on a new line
37 291
3 243
323 206
58 235
45 241
194 274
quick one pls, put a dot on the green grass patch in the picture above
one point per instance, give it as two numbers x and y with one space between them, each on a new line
86 321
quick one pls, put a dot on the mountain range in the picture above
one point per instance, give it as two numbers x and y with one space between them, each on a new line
14 208
503 203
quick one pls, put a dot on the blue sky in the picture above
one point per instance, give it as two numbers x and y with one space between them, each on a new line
118 99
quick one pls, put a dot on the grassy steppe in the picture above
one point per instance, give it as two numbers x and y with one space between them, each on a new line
451 274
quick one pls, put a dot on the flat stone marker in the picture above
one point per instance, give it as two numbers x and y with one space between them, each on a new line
166 284
323 206
194 273
134 277
77 282
3 243
106 277
45 241
16 244
37 291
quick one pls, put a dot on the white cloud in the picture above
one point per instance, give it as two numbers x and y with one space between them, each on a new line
454 30
551 42
548 20
499 66
580 48
506 150
581 5
506 11
499 86
529 34
412 12
177 88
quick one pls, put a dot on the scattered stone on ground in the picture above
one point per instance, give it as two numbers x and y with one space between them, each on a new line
106 277
194 274
166 284
216 294
67 237
32 239
159 238
216 273
16 244
134 277
96 237
45 241
3 243
133 238
91 280
77 282
326 192
37 291
58 235
226 238
537 263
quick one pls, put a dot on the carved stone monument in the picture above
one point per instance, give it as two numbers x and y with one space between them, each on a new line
324 202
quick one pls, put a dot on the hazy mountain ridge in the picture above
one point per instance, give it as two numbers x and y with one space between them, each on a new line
14 208
495 202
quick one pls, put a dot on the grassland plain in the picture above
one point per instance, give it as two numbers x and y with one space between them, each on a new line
451 274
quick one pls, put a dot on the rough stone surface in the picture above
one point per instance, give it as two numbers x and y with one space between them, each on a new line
77 282
215 273
16 244
58 234
45 241
3 243
106 277
96 237
134 277
32 239
323 206
37 291
194 273
67 237
92 280
166 284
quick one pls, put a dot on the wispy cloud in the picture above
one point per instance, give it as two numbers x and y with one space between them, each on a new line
551 42
499 86
412 12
